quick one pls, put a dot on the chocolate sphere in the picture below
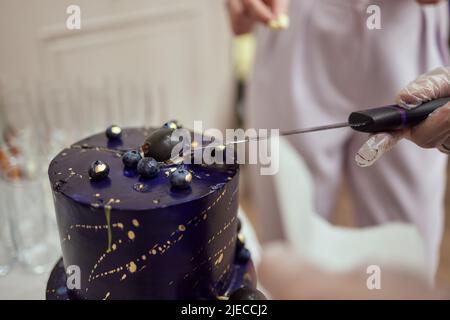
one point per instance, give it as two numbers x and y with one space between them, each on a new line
114 132
172 124
98 170
159 144
247 294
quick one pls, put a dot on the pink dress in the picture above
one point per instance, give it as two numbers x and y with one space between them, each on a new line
327 64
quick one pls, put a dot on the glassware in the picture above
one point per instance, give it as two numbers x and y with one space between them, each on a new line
23 180
38 118
28 212
7 250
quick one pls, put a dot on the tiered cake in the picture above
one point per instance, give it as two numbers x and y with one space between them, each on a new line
142 238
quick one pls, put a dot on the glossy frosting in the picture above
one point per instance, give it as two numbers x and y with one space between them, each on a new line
141 239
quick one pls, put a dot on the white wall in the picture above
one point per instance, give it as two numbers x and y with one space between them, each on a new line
171 57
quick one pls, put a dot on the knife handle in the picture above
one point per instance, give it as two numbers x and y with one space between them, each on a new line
393 117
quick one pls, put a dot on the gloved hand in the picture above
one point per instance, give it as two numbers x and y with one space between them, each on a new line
434 132
245 13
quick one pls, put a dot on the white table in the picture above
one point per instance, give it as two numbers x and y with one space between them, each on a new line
20 284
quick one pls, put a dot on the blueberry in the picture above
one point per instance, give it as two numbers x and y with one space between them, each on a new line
172 124
180 178
247 294
98 170
131 159
148 167
243 255
114 132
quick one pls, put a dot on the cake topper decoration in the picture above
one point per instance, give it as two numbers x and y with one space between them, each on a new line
172 124
98 170
159 144
114 132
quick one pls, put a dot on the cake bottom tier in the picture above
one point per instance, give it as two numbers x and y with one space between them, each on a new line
241 275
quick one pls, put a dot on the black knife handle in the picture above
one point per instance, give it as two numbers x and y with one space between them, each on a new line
390 118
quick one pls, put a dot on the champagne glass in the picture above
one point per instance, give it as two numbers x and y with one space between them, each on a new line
26 204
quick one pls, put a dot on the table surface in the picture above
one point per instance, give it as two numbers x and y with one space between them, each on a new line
21 284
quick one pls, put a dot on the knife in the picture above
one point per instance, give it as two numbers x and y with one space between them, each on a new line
374 120
381 119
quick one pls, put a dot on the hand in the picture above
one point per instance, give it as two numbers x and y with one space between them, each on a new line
287 276
434 132
245 13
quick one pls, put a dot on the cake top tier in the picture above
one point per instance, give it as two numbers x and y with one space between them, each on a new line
69 174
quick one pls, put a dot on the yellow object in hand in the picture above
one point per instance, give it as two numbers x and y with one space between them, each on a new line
281 23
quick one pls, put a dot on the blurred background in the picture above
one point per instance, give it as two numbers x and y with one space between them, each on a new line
132 63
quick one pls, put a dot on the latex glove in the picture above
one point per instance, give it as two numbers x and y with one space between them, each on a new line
245 13
434 132
285 275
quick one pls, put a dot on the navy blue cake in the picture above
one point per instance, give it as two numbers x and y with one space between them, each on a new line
141 231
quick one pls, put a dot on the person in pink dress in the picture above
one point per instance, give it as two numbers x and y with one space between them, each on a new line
298 279
327 64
